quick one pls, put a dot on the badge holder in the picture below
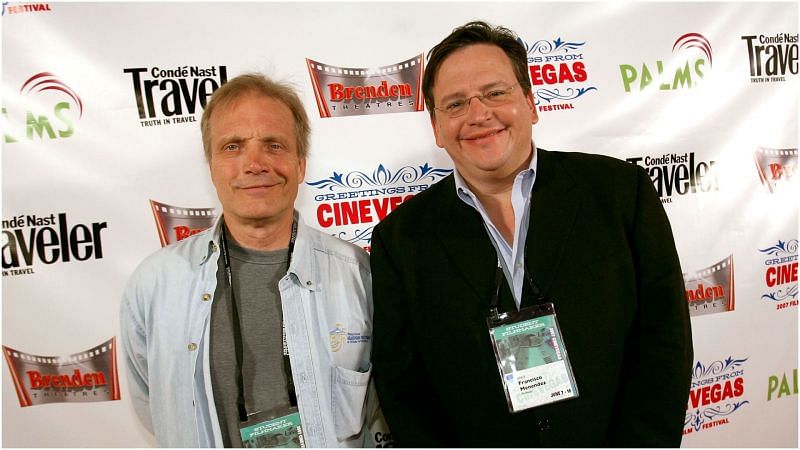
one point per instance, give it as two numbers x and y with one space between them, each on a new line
531 355
281 430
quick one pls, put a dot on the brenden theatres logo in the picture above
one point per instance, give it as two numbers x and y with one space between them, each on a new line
777 167
772 57
343 91
678 174
89 376
168 96
558 73
711 290
46 239
355 202
691 58
717 392
53 107
780 273
176 223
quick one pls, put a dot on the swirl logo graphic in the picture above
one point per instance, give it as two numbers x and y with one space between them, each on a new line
780 274
46 81
693 40
553 64
349 204
380 177
717 390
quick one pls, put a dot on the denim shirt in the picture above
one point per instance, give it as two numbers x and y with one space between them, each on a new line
326 297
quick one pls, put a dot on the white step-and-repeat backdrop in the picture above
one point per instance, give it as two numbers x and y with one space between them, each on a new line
102 164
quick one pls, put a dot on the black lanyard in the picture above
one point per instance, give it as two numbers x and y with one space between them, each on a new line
494 303
237 331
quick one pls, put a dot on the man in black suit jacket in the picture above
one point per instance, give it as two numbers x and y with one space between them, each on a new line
589 229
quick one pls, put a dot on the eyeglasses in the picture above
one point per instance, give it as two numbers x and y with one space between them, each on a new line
492 98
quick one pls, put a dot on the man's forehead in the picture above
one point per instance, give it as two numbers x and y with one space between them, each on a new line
460 67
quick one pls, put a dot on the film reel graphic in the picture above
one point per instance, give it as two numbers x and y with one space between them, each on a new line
88 376
175 223
776 167
346 91
711 290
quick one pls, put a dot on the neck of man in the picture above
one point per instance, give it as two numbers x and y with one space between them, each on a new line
494 192
261 235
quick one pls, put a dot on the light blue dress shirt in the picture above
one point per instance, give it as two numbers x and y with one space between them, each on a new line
511 256
326 297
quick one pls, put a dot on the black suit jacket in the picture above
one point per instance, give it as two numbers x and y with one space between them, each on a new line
601 247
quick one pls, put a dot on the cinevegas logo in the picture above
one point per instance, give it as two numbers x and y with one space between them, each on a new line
685 70
26 8
780 274
777 167
166 96
772 57
349 205
48 239
54 122
88 376
717 392
555 65
678 174
343 91
711 290
176 223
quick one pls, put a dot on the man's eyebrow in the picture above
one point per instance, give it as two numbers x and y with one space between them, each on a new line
231 138
483 88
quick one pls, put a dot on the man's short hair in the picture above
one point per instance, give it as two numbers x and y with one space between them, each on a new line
258 84
476 32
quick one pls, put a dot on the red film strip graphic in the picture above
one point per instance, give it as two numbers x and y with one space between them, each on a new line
175 223
776 166
711 290
89 376
345 91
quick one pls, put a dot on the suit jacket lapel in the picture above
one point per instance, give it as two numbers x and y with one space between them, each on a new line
554 209
460 230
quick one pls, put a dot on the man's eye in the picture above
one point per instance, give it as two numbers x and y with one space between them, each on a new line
452 106
497 93
231 147
275 146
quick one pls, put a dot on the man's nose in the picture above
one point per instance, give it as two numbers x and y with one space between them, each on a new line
476 110
256 159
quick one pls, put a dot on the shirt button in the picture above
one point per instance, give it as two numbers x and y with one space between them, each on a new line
192 347
213 247
309 284
206 297
544 424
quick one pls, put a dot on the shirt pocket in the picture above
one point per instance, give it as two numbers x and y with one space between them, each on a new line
348 401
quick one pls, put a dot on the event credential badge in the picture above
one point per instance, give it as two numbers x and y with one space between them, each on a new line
281 432
532 359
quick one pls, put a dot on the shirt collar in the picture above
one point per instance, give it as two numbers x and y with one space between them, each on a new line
301 258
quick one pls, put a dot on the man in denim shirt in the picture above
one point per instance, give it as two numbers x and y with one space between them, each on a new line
256 331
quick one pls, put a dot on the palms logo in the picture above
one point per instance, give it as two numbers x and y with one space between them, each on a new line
46 81
683 70
57 124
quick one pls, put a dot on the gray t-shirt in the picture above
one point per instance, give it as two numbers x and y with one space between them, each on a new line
255 282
